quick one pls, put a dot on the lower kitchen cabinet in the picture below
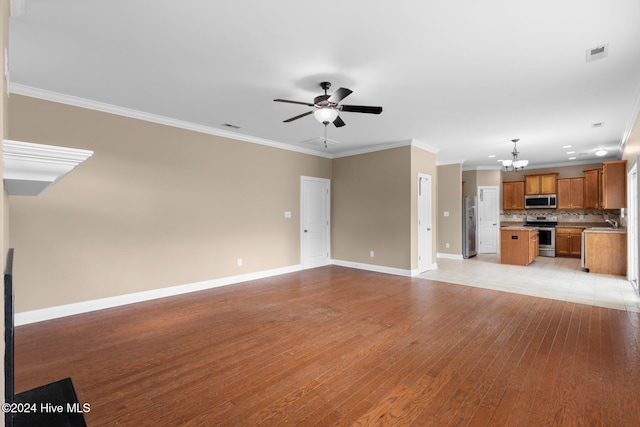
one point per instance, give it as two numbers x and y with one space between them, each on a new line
518 245
569 241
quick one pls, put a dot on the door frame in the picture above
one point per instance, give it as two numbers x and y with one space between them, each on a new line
424 262
633 271
497 212
327 215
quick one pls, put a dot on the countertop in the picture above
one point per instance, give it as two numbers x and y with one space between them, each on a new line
607 230
517 225
516 228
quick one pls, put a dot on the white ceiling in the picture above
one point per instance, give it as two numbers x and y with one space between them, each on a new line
464 77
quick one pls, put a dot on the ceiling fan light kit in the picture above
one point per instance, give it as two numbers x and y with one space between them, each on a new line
328 107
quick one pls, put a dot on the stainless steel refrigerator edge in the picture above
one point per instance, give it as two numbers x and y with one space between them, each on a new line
469 226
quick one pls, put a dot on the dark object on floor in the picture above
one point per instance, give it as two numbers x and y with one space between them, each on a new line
52 405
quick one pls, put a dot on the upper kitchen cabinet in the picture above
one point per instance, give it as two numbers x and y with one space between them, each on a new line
540 184
570 193
513 195
593 189
614 184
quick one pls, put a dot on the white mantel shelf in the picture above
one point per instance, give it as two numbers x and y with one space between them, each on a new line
31 168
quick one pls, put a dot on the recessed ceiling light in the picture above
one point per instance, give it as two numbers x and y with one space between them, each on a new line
570 152
566 146
601 152
572 158
491 156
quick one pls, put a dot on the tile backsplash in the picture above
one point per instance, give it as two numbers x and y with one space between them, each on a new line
586 216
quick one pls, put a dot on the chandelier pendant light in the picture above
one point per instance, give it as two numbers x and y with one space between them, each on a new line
514 164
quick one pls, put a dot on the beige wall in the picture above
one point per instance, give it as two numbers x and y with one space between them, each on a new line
450 200
372 208
423 162
479 178
155 206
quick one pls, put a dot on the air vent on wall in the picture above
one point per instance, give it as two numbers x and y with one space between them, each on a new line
598 52
229 125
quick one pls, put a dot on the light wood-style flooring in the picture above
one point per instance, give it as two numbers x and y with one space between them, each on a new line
338 346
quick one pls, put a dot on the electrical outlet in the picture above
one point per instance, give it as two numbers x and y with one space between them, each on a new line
446 245
371 254
239 262
446 213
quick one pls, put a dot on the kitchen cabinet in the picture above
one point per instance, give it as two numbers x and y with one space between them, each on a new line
570 193
593 189
614 184
513 195
540 184
605 252
519 245
569 241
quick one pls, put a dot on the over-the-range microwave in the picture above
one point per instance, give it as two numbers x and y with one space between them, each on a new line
541 201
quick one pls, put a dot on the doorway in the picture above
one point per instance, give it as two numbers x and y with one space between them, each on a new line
488 219
424 223
315 228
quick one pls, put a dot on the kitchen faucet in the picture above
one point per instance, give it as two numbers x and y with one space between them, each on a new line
612 222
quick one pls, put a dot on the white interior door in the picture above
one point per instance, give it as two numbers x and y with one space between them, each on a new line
424 222
488 219
314 222
632 226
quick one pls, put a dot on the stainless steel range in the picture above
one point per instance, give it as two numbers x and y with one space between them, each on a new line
547 233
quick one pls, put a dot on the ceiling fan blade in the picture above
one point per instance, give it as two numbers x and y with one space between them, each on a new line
293 102
298 117
339 95
338 122
361 109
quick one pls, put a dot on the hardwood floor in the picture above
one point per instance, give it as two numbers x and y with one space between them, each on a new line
336 346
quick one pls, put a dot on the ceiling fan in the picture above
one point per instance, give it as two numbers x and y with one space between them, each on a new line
328 106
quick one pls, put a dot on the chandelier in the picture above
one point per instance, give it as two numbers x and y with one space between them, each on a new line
514 164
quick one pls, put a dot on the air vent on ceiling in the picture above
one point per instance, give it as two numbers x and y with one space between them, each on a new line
598 52
229 125
597 125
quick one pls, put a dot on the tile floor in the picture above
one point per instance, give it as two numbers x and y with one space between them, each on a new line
556 278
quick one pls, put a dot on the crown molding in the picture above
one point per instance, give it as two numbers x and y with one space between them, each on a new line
31 168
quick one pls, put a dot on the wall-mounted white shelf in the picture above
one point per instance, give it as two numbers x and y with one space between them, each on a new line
31 168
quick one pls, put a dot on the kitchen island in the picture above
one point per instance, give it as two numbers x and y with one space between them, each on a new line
518 245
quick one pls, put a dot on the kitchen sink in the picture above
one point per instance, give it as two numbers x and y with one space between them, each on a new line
604 229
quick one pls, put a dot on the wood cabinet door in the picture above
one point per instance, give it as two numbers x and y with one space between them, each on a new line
593 189
562 242
532 184
518 195
571 193
548 184
513 195
577 193
614 184
575 243
564 193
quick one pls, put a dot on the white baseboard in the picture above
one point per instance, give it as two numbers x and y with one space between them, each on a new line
49 313
449 256
372 267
